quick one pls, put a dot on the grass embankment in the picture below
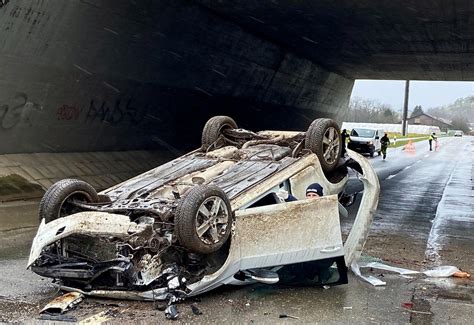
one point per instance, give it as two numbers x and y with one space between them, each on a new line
404 142
15 187
398 135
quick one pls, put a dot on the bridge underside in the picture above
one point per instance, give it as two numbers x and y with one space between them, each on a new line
363 39
121 75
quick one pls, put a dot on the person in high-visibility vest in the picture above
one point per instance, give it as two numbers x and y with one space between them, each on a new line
430 140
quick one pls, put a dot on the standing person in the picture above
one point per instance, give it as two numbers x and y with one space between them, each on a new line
344 137
385 142
430 140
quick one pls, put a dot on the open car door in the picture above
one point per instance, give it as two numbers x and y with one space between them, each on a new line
278 235
288 233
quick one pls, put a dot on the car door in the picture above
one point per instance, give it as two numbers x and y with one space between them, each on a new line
288 233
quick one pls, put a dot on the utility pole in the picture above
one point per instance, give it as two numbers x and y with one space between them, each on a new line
405 108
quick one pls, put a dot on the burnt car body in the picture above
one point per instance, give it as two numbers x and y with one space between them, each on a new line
211 217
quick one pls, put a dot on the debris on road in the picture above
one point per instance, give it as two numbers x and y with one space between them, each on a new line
102 317
195 310
58 317
63 303
444 271
172 312
407 305
461 274
288 316
347 308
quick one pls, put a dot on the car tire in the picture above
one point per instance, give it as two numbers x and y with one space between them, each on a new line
54 203
324 138
379 152
198 228
213 129
371 154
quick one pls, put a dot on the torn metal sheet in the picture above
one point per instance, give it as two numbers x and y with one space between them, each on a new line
437 272
63 303
360 229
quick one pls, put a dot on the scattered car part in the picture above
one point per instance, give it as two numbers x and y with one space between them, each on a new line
63 303
172 312
195 310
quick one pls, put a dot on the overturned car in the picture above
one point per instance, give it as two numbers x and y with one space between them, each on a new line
217 215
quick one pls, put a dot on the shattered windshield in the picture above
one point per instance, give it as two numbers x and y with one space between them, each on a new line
362 133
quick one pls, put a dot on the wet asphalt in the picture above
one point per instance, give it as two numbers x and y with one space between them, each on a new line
424 219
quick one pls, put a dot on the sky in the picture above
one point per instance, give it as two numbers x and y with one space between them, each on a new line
428 94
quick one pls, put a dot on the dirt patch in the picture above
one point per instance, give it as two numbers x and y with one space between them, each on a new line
15 187
14 310
397 250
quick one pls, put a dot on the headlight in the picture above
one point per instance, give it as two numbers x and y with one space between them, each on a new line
370 143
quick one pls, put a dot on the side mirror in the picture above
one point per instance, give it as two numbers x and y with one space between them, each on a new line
376 138
348 199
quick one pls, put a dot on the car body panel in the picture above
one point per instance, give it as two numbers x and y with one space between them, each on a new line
289 233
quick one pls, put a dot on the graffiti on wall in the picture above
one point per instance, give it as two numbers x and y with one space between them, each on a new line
122 111
68 113
20 111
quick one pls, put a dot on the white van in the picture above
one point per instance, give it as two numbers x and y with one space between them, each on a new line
366 140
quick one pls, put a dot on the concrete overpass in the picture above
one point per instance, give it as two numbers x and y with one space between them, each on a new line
89 75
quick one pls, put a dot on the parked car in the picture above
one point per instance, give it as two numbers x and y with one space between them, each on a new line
366 140
458 133
214 216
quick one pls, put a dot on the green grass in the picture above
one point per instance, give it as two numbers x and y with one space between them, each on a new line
404 142
391 135
12 186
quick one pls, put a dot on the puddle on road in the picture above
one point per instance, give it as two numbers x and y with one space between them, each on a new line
18 225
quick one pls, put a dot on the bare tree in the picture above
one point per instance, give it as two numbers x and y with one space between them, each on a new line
370 110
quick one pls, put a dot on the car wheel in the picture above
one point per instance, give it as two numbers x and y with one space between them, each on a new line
379 152
203 219
57 201
213 129
324 139
371 154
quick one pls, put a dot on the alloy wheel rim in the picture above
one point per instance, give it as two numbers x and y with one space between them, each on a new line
212 220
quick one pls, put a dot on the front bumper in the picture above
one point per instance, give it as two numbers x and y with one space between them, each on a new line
361 147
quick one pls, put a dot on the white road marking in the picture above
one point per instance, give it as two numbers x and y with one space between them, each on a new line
391 176
407 167
426 156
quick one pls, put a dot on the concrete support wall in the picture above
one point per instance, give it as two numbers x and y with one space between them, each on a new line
28 175
124 75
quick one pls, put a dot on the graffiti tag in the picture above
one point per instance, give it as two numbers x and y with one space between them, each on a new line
120 112
68 113
21 110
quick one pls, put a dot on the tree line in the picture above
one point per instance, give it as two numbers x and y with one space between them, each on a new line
460 113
